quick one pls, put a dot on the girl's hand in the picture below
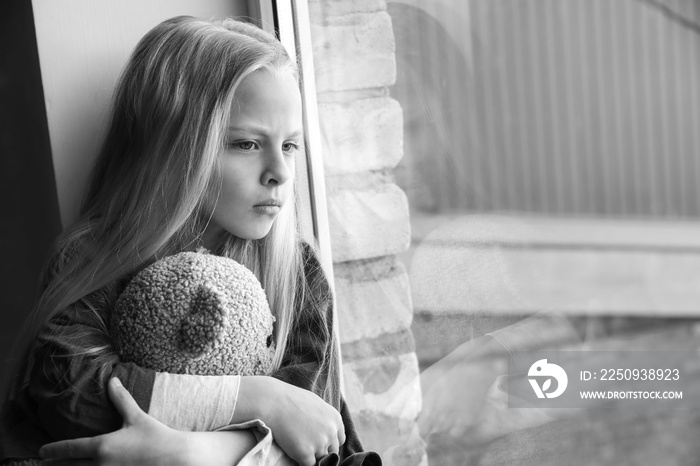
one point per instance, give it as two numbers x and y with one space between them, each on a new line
303 425
141 440
145 441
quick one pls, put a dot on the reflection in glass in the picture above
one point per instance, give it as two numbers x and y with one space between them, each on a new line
550 162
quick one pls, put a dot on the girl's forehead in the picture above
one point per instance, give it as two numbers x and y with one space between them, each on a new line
266 83
266 95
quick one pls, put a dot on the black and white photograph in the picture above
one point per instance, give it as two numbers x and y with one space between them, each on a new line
350 232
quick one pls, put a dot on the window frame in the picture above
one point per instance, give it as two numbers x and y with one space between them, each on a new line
289 21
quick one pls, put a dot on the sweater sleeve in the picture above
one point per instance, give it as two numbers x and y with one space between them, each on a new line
68 385
195 403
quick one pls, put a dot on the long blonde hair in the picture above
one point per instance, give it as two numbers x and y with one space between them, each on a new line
156 179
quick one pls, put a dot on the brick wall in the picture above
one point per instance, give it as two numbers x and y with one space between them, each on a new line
362 128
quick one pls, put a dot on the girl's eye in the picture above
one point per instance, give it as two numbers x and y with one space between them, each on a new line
243 145
290 147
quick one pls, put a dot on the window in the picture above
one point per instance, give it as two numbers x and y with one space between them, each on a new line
504 177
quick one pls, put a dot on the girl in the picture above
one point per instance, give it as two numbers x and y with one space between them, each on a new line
200 151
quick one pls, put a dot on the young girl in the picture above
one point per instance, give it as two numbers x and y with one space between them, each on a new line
201 150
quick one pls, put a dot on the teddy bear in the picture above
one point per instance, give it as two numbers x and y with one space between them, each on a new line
195 313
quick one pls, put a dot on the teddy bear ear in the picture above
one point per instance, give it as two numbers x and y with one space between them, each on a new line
203 327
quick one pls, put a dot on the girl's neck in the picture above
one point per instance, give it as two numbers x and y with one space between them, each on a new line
210 239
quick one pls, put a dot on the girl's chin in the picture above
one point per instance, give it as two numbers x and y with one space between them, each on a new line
254 233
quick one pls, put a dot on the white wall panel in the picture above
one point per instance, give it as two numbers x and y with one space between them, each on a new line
83 45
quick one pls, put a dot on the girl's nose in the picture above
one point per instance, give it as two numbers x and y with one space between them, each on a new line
278 168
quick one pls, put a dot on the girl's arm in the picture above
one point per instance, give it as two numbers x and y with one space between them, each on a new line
67 396
295 418
68 390
143 440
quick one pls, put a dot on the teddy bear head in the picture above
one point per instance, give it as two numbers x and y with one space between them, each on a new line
195 313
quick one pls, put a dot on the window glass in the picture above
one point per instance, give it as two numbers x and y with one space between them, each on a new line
505 177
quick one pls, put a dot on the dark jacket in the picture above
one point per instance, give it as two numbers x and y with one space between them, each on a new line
66 396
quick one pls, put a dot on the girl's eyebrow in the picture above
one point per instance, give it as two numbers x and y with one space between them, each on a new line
259 131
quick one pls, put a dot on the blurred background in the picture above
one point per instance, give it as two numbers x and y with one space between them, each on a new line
552 168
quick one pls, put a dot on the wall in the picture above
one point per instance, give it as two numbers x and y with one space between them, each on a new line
83 45
29 210
362 133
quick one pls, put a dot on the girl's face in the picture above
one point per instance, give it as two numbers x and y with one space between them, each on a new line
264 136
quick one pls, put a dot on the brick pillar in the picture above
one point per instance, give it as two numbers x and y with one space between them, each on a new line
362 130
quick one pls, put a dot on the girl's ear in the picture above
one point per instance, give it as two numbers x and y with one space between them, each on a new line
203 327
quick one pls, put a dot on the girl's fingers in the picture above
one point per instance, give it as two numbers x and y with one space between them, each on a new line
341 435
309 460
123 401
334 448
70 449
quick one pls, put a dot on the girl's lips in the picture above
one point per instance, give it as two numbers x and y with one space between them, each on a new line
269 209
270 206
270 202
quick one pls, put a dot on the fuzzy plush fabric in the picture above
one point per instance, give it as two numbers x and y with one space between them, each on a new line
195 313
